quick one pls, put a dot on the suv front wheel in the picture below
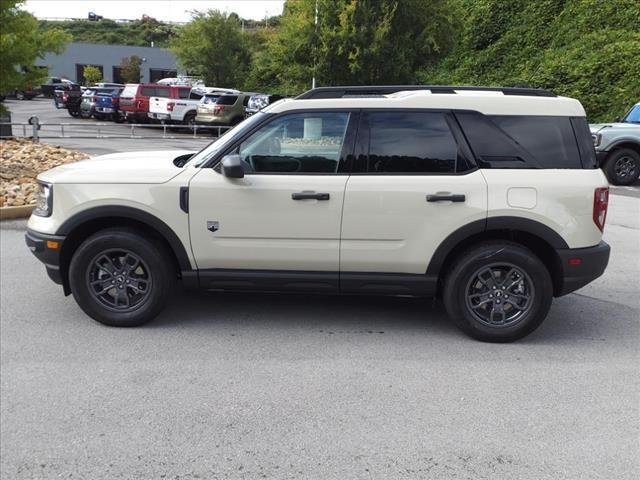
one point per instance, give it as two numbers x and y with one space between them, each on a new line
120 277
622 167
498 291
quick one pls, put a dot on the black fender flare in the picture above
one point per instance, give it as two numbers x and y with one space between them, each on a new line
131 213
503 223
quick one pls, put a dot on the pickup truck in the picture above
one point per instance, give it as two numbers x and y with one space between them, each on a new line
134 99
182 107
69 96
54 83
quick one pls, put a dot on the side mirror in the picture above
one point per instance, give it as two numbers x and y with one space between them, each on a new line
232 166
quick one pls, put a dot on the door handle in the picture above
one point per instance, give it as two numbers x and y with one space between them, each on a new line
446 198
309 196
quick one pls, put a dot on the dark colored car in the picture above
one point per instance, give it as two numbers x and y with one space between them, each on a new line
27 93
95 98
54 83
134 100
69 96
107 105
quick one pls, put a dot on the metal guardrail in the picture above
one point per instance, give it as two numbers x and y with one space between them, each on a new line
33 127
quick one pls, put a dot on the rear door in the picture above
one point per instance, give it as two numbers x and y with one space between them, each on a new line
413 185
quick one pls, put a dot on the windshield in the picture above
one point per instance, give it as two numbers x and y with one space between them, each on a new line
228 137
633 116
209 99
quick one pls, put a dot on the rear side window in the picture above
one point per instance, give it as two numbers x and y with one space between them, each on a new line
183 93
227 100
129 91
512 141
156 92
411 142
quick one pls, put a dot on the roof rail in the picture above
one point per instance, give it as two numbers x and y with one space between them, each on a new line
366 90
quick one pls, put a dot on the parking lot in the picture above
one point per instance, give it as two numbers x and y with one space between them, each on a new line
49 116
225 386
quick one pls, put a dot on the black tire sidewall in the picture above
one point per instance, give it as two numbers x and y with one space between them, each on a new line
610 165
474 259
149 251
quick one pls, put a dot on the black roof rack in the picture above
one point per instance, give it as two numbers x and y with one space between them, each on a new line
367 90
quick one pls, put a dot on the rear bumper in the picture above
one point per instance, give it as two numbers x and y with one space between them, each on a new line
576 274
42 246
159 116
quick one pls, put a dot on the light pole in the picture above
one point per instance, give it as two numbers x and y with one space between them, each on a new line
313 80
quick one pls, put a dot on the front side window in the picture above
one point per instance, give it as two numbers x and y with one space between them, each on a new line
297 143
411 142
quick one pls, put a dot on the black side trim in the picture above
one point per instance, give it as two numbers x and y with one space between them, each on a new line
529 226
184 199
130 213
269 280
594 260
493 224
319 282
417 285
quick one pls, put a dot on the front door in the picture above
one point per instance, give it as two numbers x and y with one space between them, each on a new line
285 214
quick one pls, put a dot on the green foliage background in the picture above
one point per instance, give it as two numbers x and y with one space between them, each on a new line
587 49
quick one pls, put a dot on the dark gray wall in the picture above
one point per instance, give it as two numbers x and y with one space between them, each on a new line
64 65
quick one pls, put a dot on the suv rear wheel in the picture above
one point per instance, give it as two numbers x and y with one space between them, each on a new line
498 291
622 166
120 277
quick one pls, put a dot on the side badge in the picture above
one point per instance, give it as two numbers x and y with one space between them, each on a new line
213 226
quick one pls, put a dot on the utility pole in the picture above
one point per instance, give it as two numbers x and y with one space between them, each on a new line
313 80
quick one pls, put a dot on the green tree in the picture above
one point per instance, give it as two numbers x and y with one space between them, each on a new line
213 48
21 44
92 75
130 69
357 41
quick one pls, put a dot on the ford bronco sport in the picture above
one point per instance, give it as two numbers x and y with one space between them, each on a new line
489 198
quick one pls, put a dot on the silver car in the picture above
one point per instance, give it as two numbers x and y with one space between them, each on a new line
618 147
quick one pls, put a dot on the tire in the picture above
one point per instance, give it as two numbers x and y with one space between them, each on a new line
622 166
475 306
73 112
189 120
147 268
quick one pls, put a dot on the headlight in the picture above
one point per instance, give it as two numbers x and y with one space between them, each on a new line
597 139
44 200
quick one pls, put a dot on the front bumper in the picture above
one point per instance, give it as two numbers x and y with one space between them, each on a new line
47 249
580 266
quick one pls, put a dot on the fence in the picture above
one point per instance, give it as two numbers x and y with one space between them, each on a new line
36 130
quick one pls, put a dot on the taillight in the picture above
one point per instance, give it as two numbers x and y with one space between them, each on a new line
170 106
218 109
65 96
600 204
94 99
138 103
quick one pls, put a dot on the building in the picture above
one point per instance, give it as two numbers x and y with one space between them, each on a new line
157 63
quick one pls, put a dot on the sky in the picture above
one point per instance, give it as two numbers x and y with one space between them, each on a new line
164 10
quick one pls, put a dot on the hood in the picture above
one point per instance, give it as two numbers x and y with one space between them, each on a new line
619 126
129 167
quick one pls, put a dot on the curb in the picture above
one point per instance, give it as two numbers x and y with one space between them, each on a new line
9 213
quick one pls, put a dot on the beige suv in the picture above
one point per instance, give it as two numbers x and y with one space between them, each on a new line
218 109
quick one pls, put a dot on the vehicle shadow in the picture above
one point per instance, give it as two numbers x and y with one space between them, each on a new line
573 320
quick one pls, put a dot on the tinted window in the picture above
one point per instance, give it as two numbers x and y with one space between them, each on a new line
227 99
297 143
155 92
550 140
183 93
585 142
411 142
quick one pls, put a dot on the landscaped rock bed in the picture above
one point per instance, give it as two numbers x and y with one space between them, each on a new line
20 163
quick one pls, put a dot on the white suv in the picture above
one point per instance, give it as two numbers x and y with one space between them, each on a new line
489 198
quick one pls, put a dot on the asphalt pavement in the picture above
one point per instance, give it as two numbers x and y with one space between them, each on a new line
232 386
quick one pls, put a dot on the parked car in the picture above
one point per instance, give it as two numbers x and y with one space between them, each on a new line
28 93
69 96
107 105
480 199
183 80
259 101
53 84
89 103
181 107
225 109
618 147
134 100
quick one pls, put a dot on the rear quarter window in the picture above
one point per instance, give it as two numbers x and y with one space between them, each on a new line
521 141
